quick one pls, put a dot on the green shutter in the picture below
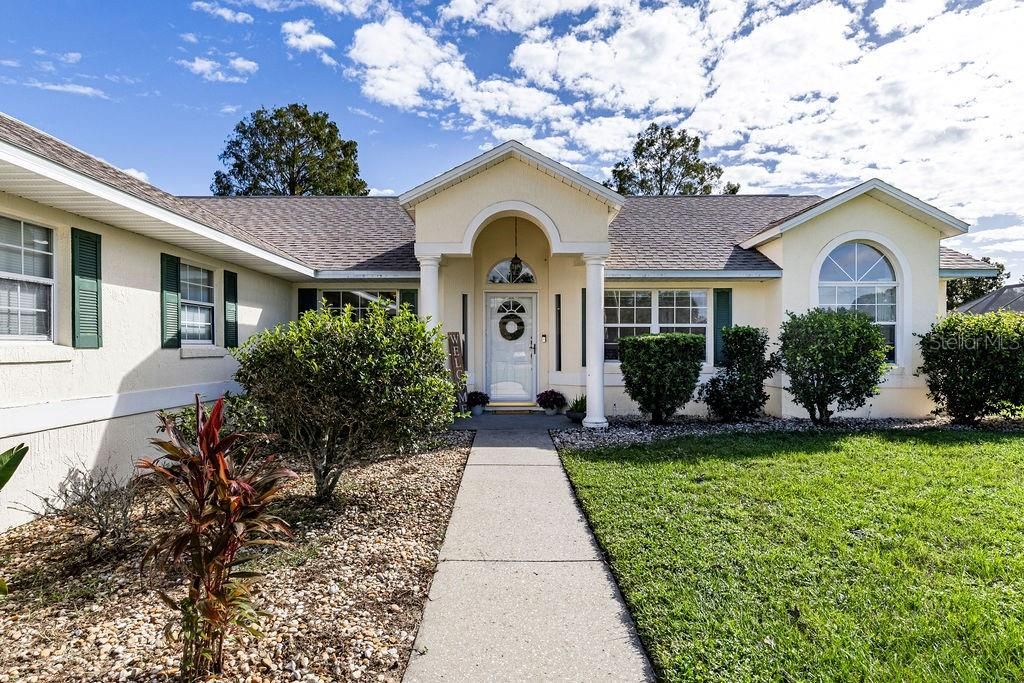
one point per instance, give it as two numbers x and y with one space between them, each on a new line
583 336
86 292
230 309
723 320
170 301
307 300
408 296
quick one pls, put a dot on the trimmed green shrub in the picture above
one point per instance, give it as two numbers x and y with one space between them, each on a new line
661 371
335 388
975 364
737 392
832 358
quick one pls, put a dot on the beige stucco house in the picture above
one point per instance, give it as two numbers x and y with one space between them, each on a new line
118 299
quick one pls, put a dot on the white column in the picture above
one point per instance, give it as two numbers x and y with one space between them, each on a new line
430 299
595 342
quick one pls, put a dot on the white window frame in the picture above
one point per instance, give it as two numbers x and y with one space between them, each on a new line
212 305
51 282
656 325
339 291
894 265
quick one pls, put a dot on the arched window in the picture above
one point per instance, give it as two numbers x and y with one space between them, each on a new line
858 277
511 271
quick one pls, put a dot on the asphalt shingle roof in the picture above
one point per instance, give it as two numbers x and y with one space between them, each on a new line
696 232
375 233
36 141
327 233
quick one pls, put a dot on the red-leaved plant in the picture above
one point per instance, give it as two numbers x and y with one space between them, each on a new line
221 489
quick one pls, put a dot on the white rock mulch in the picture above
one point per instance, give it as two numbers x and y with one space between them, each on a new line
634 429
344 601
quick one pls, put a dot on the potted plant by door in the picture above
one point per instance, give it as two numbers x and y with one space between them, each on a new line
577 409
476 400
551 401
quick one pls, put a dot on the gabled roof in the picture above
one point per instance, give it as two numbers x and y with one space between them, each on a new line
946 224
954 264
513 149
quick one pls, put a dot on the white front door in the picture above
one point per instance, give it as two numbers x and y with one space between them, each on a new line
512 348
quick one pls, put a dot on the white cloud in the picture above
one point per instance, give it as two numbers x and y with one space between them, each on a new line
12 63
905 15
70 57
301 35
69 88
212 70
358 111
357 8
230 108
243 65
136 173
189 37
514 15
225 13
385 192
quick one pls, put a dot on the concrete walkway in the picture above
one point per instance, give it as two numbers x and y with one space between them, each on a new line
521 592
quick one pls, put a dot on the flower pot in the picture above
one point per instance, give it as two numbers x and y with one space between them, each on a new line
477 410
575 417
551 411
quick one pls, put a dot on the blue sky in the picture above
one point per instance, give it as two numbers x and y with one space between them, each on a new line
790 95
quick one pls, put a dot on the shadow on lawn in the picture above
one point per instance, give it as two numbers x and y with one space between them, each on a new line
753 445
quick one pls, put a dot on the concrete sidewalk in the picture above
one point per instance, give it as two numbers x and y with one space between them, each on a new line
521 592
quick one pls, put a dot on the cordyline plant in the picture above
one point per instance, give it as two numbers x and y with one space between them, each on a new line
221 488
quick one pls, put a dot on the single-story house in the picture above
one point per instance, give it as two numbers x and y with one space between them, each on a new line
118 299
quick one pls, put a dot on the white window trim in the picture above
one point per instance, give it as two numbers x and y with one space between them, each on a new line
655 325
340 290
904 287
51 281
212 305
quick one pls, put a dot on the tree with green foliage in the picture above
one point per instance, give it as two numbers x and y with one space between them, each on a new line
667 161
288 151
336 388
737 392
661 371
9 461
965 289
833 358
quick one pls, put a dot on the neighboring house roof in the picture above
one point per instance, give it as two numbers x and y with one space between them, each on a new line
946 224
328 233
1008 298
696 233
513 149
956 264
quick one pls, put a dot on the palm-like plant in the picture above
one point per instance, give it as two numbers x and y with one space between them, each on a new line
9 461
221 488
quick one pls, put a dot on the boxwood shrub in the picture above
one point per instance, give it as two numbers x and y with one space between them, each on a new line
661 371
975 364
832 358
737 392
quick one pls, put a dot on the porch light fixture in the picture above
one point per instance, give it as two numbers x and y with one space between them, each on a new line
515 266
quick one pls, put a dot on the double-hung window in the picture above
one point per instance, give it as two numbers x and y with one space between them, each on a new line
632 312
26 280
196 305
359 300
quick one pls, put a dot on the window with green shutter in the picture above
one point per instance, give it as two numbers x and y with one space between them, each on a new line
170 301
723 321
86 290
230 309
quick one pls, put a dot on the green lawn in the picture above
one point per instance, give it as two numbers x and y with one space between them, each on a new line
818 557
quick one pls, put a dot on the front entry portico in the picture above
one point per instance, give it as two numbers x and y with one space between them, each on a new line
523 334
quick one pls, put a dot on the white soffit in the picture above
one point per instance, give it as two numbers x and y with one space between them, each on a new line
28 175
513 149
947 225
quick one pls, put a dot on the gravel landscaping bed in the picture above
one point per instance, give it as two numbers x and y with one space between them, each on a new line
634 429
344 600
